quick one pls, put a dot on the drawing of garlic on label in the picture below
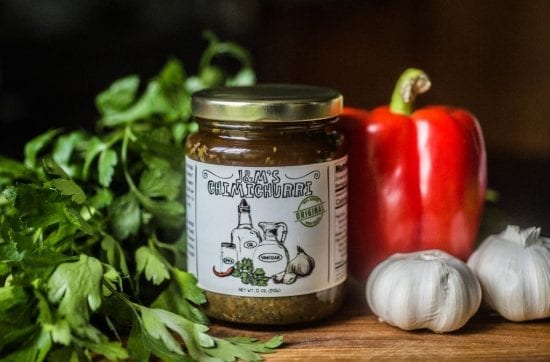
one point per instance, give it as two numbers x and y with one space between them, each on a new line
267 231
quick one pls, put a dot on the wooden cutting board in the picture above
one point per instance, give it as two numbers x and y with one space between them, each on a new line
354 333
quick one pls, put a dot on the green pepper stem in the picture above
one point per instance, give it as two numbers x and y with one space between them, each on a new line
411 83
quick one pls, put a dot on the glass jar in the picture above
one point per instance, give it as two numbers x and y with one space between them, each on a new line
266 186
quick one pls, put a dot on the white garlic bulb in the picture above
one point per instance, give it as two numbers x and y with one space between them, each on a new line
425 289
513 268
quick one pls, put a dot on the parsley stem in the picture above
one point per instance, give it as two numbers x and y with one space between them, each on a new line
153 244
113 138
173 248
144 200
124 158
120 296
38 236
112 327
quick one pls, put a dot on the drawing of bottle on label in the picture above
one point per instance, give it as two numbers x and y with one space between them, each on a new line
244 239
245 236
271 255
228 256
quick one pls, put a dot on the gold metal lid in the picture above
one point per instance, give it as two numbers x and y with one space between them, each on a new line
267 103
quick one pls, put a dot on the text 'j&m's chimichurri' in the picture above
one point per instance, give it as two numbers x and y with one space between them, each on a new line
266 186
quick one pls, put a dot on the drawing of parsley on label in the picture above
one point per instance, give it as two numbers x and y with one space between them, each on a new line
244 269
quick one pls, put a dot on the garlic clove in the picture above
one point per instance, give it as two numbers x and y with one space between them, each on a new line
427 289
278 278
289 278
513 268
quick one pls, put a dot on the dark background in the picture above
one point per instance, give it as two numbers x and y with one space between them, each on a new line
491 57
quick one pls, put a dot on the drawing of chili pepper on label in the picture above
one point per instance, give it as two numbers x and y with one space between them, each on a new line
226 273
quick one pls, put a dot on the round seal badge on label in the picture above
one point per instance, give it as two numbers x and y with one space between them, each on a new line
310 211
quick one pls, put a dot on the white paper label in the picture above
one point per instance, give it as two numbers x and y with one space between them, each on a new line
267 231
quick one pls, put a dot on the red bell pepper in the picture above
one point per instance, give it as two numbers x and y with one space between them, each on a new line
417 180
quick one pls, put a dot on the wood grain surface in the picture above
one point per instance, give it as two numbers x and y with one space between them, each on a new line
354 333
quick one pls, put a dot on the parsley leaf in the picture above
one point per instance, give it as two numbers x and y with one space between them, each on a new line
118 96
101 199
245 349
106 167
141 345
52 168
255 345
69 188
188 285
76 287
93 147
111 350
64 148
13 169
161 180
182 297
23 198
36 145
149 262
125 216
115 254
158 326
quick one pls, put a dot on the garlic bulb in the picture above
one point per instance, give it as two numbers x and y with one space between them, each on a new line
513 268
425 289
302 265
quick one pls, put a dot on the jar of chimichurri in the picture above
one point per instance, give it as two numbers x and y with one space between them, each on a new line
266 186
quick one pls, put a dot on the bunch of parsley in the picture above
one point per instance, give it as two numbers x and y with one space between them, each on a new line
244 269
92 232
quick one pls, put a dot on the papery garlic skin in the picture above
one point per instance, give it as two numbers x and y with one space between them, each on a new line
513 268
426 289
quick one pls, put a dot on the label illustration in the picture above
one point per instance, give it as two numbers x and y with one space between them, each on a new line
267 231
256 259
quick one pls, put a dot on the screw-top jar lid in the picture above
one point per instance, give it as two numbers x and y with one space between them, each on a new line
267 103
